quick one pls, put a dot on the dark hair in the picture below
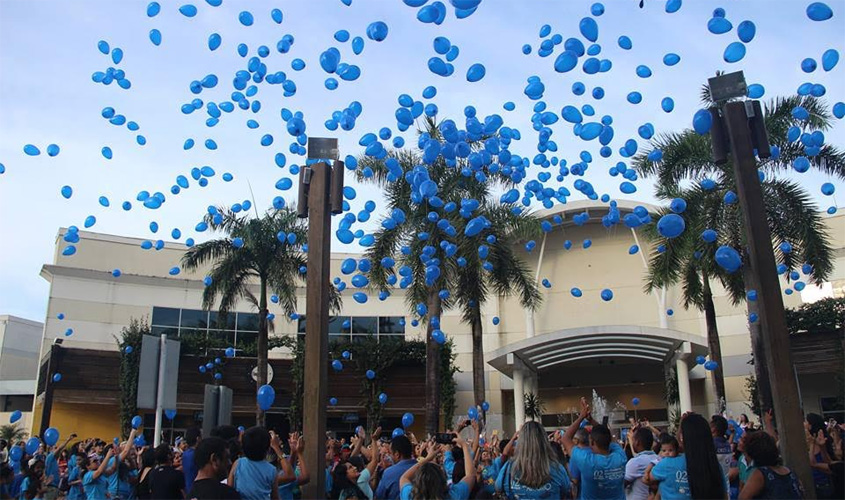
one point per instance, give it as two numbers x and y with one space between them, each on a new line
192 435
148 458
600 436
502 444
34 481
402 446
256 442
458 472
720 424
225 432
644 437
429 482
762 449
163 453
703 470
341 483
206 448
558 451
669 439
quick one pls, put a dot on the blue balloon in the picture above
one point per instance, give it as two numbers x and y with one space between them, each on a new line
829 60
51 436
337 365
31 150
188 10
819 11
719 25
370 374
607 295
32 445
277 16
671 225
476 72
589 29
472 413
155 36
407 419
16 453
57 377
377 31
137 421
711 365
170 414
671 59
635 401
734 52
153 9
625 42
382 398
643 71
566 61
673 6
397 432
746 31
667 104
265 397
728 259
52 150
576 292
246 18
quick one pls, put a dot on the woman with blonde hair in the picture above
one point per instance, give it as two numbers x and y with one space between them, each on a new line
534 471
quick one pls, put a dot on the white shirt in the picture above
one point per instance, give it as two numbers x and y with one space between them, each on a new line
634 471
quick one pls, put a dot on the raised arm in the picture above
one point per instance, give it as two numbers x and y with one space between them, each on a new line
304 476
429 456
102 467
567 440
62 446
371 465
128 446
469 477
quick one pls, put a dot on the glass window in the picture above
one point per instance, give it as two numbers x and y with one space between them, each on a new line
247 322
192 318
214 318
300 326
336 324
391 336
390 324
360 338
246 338
339 337
170 332
365 324
221 338
165 316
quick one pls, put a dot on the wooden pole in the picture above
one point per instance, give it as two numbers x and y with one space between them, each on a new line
315 393
787 408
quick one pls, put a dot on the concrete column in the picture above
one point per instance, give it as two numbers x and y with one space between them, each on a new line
529 314
518 397
682 371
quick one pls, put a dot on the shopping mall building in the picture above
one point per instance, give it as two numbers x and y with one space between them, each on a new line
624 348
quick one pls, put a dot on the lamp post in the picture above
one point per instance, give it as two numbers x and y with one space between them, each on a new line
320 193
738 127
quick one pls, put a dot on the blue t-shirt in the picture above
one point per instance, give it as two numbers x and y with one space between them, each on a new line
557 487
75 492
95 488
254 479
388 488
51 469
189 468
24 487
672 474
114 476
601 476
458 491
489 474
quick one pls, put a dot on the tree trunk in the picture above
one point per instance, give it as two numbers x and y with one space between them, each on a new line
761 371
261 349
432 367
713 342
477 359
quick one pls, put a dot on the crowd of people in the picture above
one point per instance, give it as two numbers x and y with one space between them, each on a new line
706 459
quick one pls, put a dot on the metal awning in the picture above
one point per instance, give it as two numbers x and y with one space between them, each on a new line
649 344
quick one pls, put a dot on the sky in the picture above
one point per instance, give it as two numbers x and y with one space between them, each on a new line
48 52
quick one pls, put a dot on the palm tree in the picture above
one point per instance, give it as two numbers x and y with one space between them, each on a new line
13 433
267 251
508 275
792 217
453 186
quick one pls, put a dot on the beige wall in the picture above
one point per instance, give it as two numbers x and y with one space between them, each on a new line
98 305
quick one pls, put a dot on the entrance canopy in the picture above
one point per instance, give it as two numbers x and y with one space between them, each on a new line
624 342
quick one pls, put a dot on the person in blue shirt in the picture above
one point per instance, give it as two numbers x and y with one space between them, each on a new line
74 479
34 485
51 468
189 467
600 469
117 473
400 450
293 475
426 480
695 473
534 472
252 475
95 484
